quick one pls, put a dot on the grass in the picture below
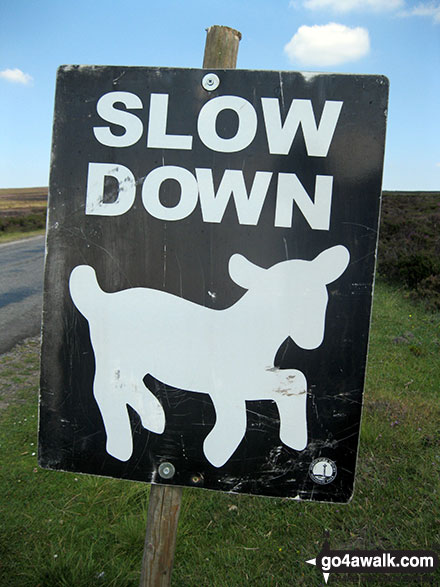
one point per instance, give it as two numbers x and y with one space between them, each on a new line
62 529
7 237
17 205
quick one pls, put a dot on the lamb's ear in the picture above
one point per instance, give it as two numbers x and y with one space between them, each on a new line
332 263
244 272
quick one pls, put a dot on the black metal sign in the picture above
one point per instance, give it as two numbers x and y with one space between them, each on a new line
210 259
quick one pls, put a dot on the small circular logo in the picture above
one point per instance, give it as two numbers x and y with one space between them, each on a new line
323 470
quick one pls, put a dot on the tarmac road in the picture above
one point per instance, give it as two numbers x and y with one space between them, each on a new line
21 290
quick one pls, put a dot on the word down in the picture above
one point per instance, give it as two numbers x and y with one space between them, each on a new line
228 354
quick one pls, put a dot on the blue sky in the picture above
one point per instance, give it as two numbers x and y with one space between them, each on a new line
396 38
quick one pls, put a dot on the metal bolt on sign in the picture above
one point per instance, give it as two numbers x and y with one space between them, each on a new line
211 82
166 470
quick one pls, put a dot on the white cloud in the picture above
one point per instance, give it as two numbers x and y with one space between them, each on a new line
330 44
16 76
350 5
430 9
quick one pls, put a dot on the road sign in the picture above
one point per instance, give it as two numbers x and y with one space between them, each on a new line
210 259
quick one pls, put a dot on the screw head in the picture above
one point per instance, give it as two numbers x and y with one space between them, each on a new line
166 470
210 82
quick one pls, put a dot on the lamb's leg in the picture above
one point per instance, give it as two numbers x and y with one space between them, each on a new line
113 407
227 433
291 400
146 404
113 390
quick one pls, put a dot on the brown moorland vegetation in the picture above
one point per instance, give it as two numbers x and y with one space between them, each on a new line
409 243
22 209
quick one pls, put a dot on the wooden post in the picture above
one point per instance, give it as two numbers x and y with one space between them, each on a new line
221 47
221 51
160 540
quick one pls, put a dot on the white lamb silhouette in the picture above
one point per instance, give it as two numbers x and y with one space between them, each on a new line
228 354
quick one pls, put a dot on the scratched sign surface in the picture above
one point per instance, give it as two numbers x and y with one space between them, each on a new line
210 260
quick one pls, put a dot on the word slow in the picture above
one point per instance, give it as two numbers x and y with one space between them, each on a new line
280 135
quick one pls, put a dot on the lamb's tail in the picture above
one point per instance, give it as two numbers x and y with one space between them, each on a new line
85 290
